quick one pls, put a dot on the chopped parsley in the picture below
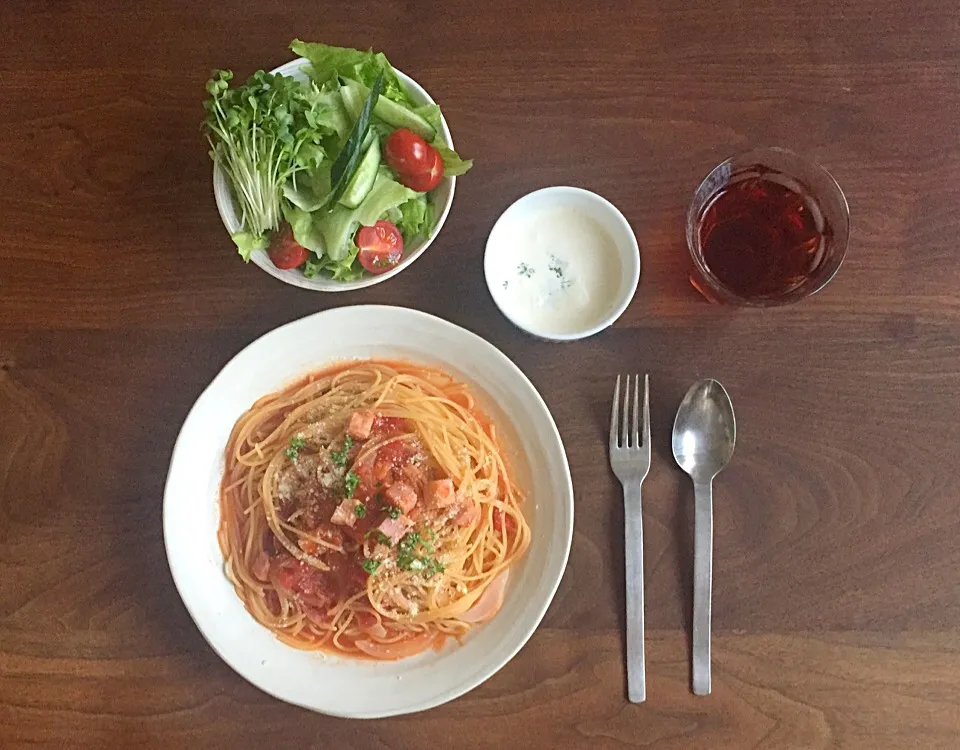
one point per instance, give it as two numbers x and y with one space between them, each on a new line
414 555
360 510
434 567
524 270
297 443
371 566
379 536
391 510
350 483
340 457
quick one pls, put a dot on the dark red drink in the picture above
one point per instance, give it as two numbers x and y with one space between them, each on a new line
761 238
766 228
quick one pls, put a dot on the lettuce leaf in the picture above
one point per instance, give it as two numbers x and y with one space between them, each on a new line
309 189
347 269
247 242
414 218
453 165
328 62
305 230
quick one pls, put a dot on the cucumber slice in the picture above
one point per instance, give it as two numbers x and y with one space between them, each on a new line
354 94
362 181
352 98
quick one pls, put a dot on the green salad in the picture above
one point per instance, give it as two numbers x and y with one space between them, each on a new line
334 175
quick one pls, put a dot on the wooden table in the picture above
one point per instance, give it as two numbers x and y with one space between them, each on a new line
837 551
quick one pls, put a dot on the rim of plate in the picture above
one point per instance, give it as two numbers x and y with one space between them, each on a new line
226 205
541 584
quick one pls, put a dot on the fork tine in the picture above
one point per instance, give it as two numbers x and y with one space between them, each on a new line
635 421
615 415
646 413
624 432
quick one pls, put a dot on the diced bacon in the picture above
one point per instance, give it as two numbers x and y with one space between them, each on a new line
413 473
395 528
361 423
440 493
468 514
345 514
402 496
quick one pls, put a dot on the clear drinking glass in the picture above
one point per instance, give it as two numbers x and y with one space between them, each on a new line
766 228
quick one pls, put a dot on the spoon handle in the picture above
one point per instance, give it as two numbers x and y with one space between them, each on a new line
702 585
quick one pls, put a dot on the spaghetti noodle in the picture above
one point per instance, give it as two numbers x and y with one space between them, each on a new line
368 511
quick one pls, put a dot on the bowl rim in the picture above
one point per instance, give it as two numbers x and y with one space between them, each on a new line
224 199
548 579
631 255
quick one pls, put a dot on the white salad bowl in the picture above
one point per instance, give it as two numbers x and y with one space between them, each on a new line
442 198
191 511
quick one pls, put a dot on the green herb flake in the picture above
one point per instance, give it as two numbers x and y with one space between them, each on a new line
350 483
297 443
410 555
391 510
379 536
371 566
360 510
341 456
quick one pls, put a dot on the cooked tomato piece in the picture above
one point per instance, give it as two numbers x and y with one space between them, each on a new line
440 493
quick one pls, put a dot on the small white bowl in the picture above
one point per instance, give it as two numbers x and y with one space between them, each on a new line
579 291
442 199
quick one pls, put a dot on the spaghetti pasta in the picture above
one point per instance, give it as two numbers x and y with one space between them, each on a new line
368 510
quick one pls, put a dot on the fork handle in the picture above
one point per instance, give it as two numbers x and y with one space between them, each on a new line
633 551
702 585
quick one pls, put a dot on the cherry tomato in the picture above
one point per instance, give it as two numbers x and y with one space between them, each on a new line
286 252
428 180
381 246
407 153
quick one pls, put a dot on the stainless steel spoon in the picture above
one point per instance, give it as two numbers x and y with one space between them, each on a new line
704 434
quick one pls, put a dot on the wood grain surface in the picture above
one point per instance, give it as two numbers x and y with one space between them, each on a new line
837 550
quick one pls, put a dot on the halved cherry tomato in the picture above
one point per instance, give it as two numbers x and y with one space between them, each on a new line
286 252
407 153
381 246
427 180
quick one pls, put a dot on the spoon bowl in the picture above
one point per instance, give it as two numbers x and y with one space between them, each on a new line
705 431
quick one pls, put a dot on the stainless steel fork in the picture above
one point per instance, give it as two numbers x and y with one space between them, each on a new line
630 461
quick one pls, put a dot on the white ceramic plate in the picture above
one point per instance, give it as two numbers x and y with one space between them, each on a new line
330 684
442 200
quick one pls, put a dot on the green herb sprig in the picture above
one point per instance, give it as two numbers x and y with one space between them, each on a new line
297 443
341 456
